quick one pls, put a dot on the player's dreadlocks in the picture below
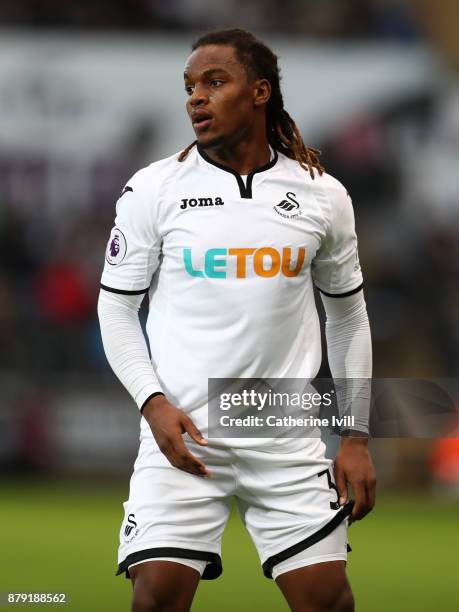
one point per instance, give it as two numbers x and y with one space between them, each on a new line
261 63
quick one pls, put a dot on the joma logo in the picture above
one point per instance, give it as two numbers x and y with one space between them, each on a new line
192 202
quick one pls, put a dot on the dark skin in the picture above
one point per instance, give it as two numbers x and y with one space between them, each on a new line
227 109
218 86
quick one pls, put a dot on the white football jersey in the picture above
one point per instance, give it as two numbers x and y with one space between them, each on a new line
229 264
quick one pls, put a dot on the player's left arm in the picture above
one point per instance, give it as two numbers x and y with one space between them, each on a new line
349 355
337 274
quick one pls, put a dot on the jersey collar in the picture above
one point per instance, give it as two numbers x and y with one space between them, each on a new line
245 189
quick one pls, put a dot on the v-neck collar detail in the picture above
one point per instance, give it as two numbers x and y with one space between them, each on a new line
244 189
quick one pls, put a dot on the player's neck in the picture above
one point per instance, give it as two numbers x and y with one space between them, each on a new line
243 157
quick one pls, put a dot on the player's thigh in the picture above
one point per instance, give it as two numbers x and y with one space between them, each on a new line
163 585
302 502
322 587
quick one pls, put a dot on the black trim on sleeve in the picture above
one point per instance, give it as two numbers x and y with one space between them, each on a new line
149 398
338 295
213 568
123 291
312 539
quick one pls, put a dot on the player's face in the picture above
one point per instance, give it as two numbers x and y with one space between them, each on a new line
220 97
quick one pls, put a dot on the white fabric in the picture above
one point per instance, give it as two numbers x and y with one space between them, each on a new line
195 564
349 354
215 310
230 279
125 344
283 497
331 548
348 336
336 267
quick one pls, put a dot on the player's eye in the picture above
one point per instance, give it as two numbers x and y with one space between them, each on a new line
188 89
216 82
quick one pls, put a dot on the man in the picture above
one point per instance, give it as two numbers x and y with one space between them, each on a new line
227 237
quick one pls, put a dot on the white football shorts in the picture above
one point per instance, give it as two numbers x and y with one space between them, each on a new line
286 497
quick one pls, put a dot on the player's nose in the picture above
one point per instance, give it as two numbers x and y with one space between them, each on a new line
199 96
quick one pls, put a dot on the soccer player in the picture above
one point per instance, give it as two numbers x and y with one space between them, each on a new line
227 238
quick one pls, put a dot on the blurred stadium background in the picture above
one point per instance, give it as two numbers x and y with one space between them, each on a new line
89 93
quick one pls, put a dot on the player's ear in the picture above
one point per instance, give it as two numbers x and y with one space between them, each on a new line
261 92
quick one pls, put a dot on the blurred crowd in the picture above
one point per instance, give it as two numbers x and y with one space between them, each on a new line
399 167
50 267
381 19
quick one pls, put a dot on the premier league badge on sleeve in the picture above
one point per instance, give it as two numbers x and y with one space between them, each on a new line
116 248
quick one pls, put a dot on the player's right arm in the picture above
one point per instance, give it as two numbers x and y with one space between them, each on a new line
131 259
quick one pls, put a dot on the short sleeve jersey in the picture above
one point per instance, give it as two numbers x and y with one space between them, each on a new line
229 263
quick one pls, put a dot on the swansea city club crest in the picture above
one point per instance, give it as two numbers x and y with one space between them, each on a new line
288 208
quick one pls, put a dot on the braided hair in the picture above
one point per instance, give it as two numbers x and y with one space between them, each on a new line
261 63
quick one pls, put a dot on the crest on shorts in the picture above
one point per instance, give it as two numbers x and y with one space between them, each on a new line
116 248
130 528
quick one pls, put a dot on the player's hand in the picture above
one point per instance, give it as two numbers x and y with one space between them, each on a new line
353 465
168 424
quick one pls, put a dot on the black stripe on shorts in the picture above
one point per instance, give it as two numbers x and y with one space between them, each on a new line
309 541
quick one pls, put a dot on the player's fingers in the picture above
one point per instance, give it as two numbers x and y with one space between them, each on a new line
187 464
341 485
183 459
361 505
168 447
193 431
